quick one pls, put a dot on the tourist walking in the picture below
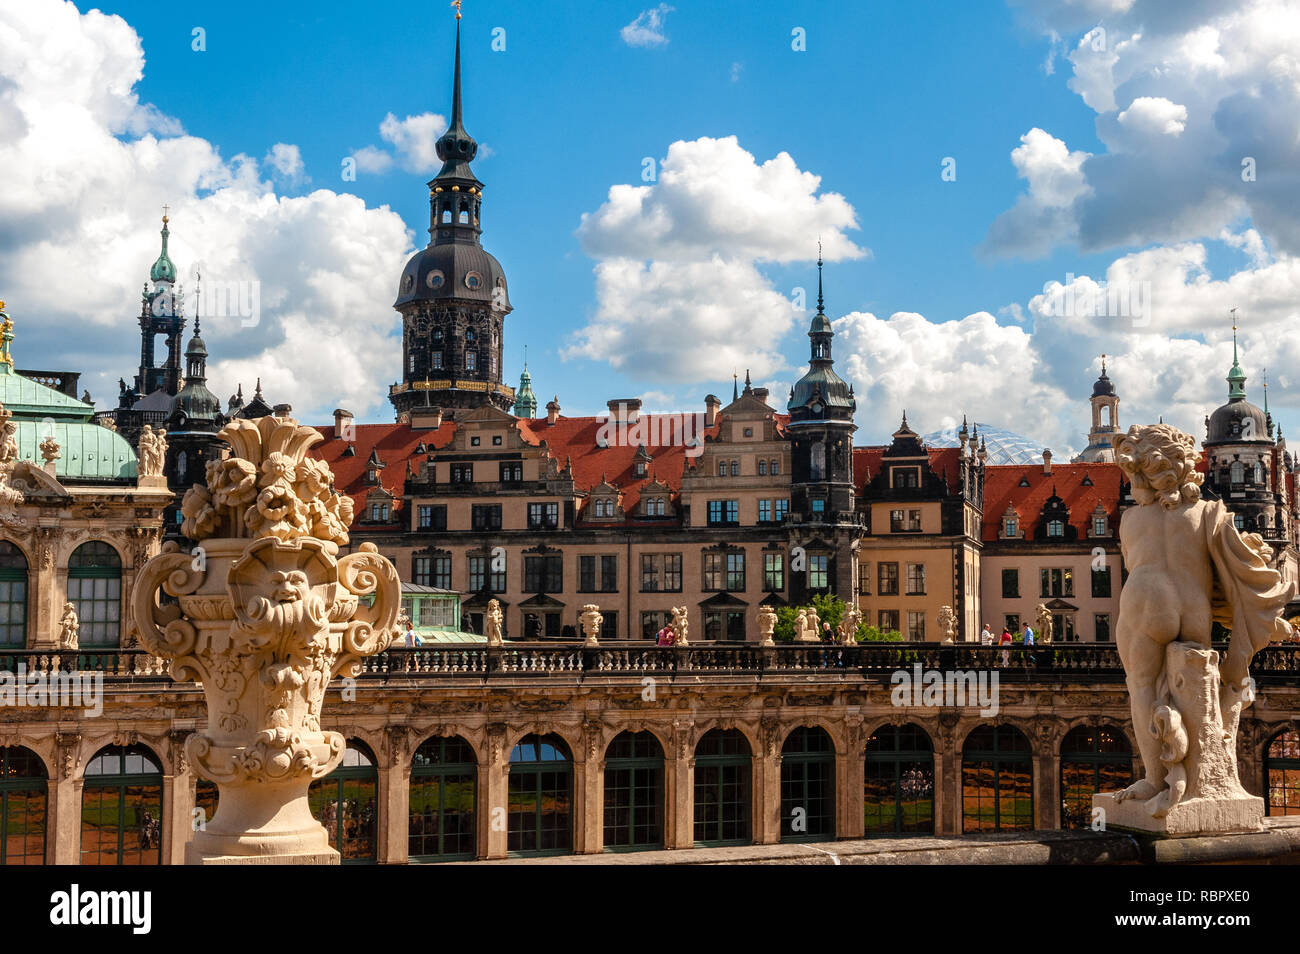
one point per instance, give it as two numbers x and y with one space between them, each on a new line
1005 642
1029 641
986 636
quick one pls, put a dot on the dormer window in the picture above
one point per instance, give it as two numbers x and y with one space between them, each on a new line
1024 482
1099 528
1056 528
640 468
1010 527
905 477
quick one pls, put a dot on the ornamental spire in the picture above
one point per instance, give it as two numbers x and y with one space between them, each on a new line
1236 377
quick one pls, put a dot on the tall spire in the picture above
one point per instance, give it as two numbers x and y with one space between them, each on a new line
1236 377
163 270
820 304
455 92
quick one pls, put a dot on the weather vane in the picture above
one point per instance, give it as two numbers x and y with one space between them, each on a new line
456 4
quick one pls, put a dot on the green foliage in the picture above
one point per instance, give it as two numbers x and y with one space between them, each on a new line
830 609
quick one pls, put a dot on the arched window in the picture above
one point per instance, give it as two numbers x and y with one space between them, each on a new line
722 788
997 780
1238 472
540 791
807 786
1056 528
13 597
463 218
95 589
775 468
1282 773
206 797
122 808
23 804
898 792
346 802
1093 760
634 792
443 791
446 216
1259 472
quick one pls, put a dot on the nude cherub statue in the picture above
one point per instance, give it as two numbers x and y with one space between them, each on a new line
1188 567
492 623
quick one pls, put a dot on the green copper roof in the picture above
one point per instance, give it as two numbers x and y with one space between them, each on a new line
86 450
163 270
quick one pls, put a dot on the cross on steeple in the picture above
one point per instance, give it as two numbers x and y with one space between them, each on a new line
166 208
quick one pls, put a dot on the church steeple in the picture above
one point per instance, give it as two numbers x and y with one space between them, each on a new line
455 193
1236 377
163 270
525 399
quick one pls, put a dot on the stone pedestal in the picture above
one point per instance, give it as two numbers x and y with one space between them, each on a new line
1197 816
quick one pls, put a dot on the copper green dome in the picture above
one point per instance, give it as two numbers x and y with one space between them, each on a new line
163 270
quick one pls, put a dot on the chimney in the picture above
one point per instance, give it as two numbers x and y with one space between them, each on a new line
624 409
761 394
552 410
343 426
282 410
1047 462
711 407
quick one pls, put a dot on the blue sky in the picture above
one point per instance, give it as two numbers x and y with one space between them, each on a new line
881 95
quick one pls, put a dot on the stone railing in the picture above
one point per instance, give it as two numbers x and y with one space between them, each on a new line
1274 665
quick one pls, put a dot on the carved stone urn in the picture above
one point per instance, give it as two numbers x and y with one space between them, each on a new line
263 612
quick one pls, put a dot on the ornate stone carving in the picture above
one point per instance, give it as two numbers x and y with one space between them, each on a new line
848 630
492 623
766 625
1188 565
69 746
153 451
10 496
69 626
680 626
266 614
45 537
591 621
49 449
947 624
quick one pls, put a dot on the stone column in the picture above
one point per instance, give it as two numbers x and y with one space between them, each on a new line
679 789
850 780
46 597
63 832
767 785
395 799
947 781
493 788
592 818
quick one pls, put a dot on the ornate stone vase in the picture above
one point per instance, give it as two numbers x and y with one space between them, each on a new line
263 612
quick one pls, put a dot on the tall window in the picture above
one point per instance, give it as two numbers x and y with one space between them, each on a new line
13 598
916 579
1101 626
483 577
634 792
736 570
780 508
597 574
95 589
773 572
661 573
864 578
888 579
23 807
888 620
433 571
898 794
1010 527
432 517
485 516
121 808
916 626
1093 760
807 786
346 802
765 511
997 780
543 574
443 783
1010 584
819 575
722 788
1282 773
543 516
1056 528
540 797
1101 583
1056 582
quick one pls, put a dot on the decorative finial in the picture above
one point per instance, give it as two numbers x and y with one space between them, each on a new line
166 208
1103 364
456 4
820 303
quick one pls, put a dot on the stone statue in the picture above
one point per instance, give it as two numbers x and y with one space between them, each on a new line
49 449
265 620
153 451
1188 567
947 624
680 626
68 627
801 626
590 619
766 625
1043 623
492 623
8 436
814 632
849 626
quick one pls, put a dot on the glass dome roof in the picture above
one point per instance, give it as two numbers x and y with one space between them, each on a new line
1005 447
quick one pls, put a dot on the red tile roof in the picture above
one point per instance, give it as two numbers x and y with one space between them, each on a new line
944 461
1002 488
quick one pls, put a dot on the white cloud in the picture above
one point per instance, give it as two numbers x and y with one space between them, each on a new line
415 139
87 170
373 159
680 297
1154 116
1044 214
286 162
648 28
